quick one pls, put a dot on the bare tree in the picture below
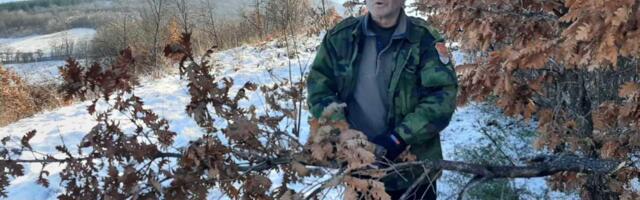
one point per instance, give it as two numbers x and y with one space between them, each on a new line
153 14
255 17
39 54
183 14
68 44
211 25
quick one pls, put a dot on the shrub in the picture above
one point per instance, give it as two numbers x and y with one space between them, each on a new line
14 98
19 99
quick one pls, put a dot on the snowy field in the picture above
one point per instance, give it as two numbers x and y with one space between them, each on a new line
47 71
44 42
262 64
38 73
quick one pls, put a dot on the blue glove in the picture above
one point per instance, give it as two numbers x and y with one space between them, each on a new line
392 142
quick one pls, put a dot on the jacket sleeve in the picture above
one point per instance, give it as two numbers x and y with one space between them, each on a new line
437 99
322 88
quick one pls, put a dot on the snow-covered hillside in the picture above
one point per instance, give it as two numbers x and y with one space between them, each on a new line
47 71
39 72
262 64
45 42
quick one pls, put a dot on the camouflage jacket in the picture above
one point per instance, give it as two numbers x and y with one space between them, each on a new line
423 88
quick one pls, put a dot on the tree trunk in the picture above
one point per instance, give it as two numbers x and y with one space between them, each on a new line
597 188
580 92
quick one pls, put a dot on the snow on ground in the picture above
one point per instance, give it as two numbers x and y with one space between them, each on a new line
262 64
465 133
44 42
46 71
38 72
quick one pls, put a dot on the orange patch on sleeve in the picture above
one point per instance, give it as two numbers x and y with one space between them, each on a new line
442 49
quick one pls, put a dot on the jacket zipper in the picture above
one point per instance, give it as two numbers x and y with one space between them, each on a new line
354 70
394 83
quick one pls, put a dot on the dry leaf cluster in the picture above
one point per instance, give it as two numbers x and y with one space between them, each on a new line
332 142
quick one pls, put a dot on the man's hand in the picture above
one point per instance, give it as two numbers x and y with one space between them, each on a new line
379 152
392 143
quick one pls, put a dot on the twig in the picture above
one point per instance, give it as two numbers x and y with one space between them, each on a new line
414 185
472 183
495 143
339 176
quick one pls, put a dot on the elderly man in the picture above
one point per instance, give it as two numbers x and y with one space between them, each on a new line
395 76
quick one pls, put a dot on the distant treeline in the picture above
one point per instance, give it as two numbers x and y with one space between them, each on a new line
44 20
33 4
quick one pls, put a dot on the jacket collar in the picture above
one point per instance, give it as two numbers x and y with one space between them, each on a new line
403 30
399 32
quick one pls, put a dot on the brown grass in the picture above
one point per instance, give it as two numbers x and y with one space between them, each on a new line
19 99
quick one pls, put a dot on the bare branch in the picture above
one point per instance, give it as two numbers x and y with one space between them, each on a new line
542 166
420 180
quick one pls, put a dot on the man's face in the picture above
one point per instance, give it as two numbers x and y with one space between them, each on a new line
384 8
